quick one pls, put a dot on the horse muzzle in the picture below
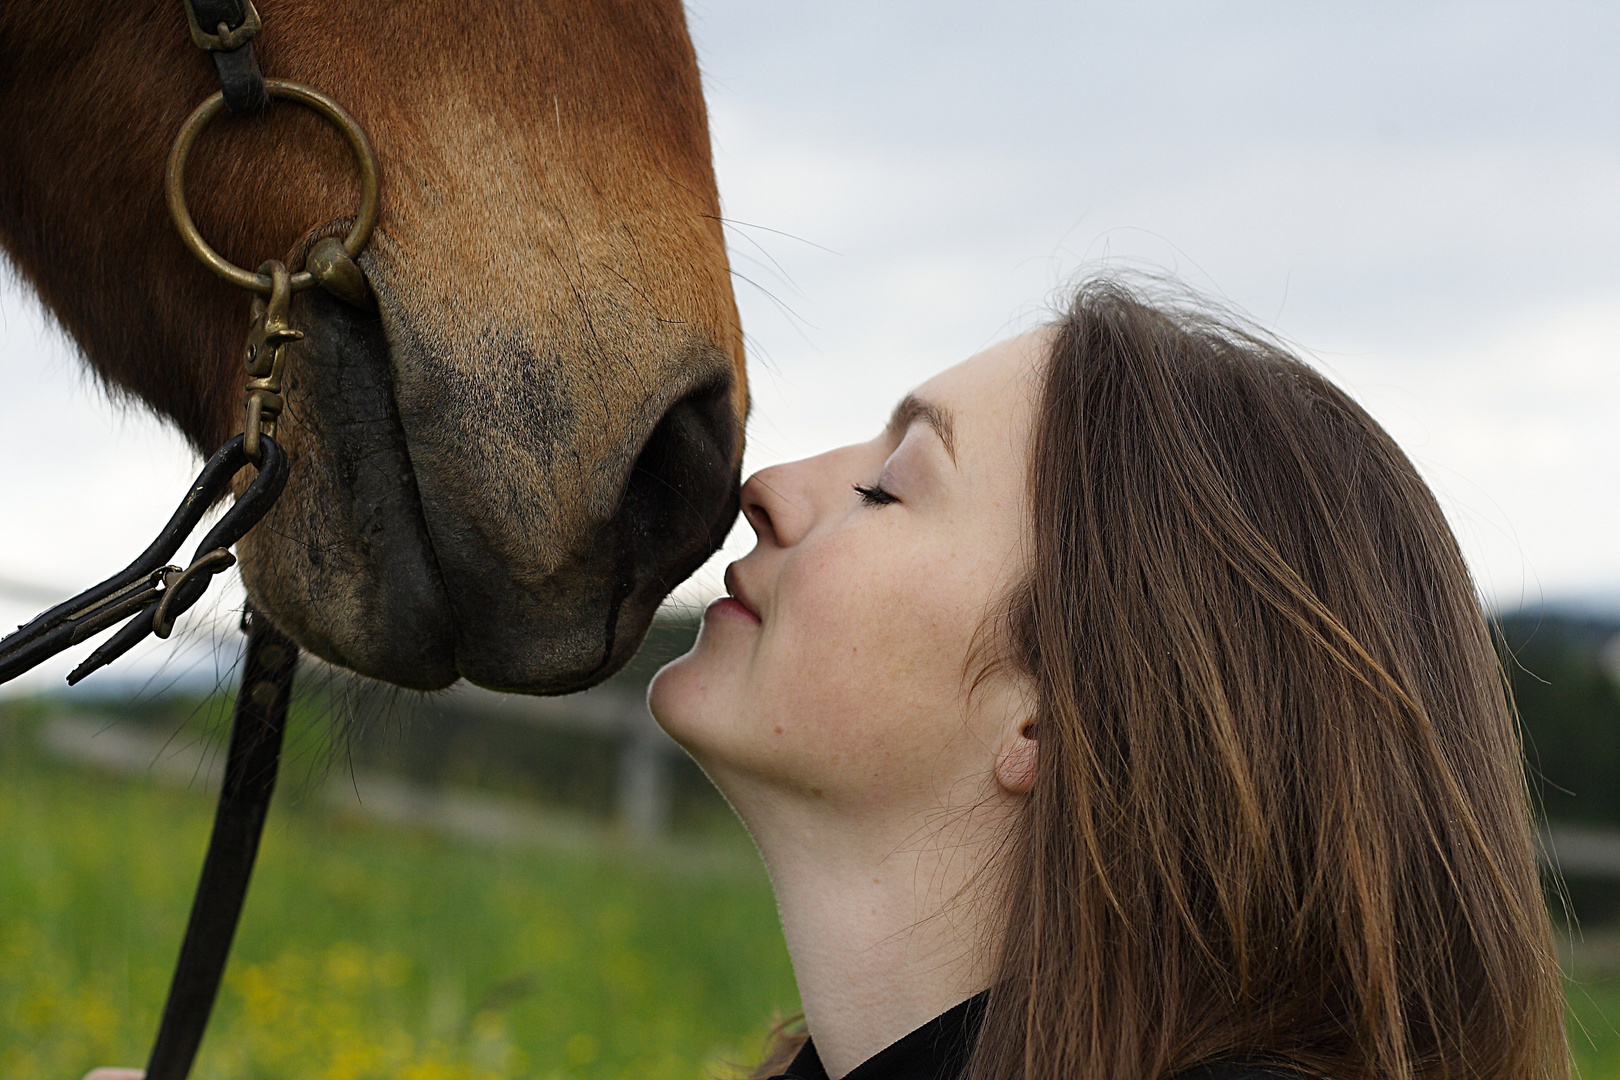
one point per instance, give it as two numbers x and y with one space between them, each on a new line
487 505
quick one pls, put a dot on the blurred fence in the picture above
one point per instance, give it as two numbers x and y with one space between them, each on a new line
645 761
472 763
642 797
470 760
486 760
596 744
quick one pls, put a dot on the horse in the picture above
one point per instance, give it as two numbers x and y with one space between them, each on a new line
500 473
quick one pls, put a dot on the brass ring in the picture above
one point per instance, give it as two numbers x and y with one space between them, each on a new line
174 183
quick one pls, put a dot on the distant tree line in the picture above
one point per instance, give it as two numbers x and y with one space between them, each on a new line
1561 669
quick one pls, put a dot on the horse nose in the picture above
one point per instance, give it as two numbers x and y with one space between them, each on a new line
680 498
551 591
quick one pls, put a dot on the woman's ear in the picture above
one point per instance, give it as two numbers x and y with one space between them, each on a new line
1015 765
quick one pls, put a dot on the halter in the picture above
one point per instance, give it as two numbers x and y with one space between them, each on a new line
149 594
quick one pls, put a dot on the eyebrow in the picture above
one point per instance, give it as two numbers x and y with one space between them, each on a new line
913 408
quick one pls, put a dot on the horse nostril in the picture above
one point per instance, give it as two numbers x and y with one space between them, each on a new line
682 493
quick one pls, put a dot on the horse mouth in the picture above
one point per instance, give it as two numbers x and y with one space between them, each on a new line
450 520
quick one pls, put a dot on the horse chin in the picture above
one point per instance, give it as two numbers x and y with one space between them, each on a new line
401 555
343 562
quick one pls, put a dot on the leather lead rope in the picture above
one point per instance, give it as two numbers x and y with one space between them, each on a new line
244 800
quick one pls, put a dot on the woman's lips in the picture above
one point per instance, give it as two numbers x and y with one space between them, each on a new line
729 605
737 598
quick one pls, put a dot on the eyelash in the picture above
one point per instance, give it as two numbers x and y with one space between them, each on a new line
874 495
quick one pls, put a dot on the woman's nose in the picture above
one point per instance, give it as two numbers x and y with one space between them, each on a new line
777 507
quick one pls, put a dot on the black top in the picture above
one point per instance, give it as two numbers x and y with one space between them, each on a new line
939 1050
936 1051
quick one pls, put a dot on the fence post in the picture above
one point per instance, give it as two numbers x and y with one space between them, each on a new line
643 784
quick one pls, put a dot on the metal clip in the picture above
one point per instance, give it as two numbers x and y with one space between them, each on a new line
264 357
210 563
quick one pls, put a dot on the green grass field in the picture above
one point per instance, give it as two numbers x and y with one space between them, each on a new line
1594 1012
368 951
372 952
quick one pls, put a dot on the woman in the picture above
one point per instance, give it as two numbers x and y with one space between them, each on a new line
1125 710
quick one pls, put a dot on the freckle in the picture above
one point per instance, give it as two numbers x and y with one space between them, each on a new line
816 792
779 731
877 881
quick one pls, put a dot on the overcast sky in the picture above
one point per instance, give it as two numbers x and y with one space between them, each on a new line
1425 197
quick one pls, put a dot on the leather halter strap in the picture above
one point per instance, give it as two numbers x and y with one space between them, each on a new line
225 28
244 800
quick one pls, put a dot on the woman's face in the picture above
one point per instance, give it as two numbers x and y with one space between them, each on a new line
837 668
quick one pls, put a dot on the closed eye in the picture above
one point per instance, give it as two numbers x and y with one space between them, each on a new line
874 495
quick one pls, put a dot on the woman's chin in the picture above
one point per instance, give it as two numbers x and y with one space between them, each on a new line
681 696
664 692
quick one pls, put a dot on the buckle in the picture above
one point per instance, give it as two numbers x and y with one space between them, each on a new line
225 38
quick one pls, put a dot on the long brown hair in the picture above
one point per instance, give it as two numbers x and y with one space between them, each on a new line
1279 813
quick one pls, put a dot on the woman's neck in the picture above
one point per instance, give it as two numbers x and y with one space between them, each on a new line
887 916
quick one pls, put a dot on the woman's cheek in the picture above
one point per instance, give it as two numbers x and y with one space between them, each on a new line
860 648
